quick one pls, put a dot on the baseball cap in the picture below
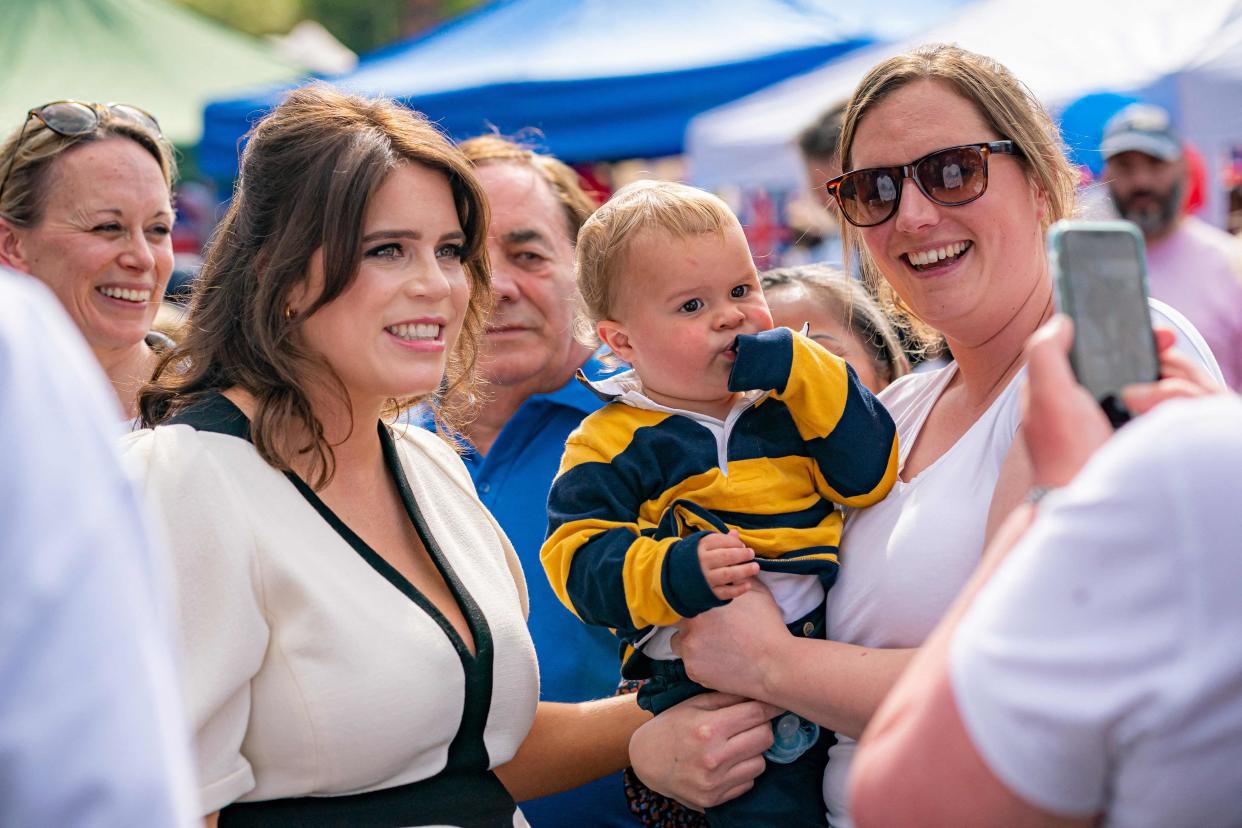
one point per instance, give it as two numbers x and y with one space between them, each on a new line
1144 128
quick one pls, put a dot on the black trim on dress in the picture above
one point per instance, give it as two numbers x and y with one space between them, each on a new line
463 800
465 793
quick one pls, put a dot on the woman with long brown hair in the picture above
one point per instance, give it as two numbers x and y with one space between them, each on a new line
353 619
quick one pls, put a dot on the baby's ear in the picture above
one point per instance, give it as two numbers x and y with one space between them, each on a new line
613 335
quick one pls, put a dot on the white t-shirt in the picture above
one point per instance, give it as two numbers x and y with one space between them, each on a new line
904 560
92 731
1100 670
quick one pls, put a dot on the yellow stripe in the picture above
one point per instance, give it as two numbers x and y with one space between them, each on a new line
640 574
773 543
820 382
612 430
557 553
644 591
761 486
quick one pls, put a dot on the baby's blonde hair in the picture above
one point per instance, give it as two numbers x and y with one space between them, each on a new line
606 237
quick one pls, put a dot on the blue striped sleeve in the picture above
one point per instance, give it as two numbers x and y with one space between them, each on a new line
599 560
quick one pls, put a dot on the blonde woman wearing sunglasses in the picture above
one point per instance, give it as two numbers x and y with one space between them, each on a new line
955 174
86 207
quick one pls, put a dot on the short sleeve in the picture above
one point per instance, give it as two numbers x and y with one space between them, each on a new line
1046 672
223 630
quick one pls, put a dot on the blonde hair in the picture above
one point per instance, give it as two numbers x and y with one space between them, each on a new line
850 302
607 236
31 161
1004 103
577 203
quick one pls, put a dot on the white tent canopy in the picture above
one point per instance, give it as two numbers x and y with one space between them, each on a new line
1184 55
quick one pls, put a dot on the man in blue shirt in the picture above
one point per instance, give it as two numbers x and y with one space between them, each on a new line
529 358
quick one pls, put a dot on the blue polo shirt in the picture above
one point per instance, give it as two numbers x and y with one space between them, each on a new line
577 662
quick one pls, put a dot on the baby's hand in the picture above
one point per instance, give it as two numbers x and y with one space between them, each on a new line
728 564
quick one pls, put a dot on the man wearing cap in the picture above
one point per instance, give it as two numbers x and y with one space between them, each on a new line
1191 264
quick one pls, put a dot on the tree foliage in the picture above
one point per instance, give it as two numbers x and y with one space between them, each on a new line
268 17
362 25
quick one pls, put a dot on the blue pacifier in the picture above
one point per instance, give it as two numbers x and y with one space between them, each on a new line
794 736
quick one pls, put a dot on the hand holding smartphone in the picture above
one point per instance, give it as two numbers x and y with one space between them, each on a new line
1100 272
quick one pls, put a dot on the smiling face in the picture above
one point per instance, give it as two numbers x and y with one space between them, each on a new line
104 243
390 332
529 342
679 307
964 270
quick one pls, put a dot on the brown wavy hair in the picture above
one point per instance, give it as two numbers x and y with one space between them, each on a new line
309 169
1004 103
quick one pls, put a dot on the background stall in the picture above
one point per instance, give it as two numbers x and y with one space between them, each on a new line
600 80
1185 56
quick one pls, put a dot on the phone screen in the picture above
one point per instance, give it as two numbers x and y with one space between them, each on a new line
1102 285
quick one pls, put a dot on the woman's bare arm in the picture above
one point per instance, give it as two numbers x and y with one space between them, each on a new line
708 749
744 648
572 744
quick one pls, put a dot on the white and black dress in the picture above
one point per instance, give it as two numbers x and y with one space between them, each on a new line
323 687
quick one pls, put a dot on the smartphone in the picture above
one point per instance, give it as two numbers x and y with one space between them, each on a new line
1100 272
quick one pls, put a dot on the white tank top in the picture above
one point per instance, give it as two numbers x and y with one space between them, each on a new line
904 560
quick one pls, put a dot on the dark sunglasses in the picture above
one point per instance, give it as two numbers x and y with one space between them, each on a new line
71 118
950 177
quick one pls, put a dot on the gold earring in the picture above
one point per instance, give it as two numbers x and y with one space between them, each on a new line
289 314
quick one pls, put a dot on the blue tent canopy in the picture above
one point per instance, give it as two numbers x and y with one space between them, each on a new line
601 80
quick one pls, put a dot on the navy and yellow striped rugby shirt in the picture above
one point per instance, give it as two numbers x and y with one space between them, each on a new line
638 488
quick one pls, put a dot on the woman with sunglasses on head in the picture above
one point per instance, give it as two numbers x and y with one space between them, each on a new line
86 207
955 173
353 619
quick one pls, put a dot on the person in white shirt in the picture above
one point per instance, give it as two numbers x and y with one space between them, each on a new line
1089 676
91 727
955 174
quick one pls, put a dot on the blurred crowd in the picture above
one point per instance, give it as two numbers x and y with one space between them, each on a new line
436 492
